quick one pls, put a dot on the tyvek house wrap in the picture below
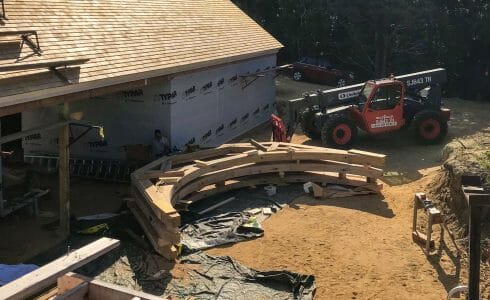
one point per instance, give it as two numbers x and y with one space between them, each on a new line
207 108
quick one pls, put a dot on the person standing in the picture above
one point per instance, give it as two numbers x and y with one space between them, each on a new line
160 144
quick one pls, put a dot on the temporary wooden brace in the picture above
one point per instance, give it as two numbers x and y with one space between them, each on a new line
36 281
160 192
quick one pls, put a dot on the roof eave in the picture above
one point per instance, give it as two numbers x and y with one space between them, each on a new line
24 98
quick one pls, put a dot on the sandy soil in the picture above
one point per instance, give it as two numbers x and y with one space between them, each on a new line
358 248
361 248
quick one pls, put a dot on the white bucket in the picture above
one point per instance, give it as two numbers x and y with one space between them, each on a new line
271 190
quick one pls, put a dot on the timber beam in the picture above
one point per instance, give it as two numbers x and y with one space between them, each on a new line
160 192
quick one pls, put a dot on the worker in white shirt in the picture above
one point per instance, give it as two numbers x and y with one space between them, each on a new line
160 145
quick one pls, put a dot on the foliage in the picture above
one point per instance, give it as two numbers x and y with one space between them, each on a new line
378 37
485 160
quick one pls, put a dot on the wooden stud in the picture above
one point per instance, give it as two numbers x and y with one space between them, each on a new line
251 152
258 145
64 175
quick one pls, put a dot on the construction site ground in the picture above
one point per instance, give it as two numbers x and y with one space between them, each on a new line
357 248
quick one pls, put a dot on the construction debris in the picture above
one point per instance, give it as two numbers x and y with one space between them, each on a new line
201 174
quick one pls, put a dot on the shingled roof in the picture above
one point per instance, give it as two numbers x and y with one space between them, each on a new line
122 40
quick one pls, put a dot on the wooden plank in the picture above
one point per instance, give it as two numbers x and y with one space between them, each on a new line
162 247
151 174
376 159
273 147
187 157
251 152
212 207
326 192
252 169
168 180
277 156
159 202
258 145
147 226
79 292
242 182
165 230
36 281
421 239
66 283
24 133
201 164
99 290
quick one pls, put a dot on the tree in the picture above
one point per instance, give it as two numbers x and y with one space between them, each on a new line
378 37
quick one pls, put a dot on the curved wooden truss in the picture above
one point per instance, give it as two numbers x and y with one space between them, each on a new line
168 185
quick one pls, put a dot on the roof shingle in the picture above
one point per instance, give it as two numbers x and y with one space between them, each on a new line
121 38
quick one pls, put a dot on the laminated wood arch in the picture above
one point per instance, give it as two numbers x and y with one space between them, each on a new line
164 187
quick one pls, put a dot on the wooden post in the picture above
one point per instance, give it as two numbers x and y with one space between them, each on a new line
64 174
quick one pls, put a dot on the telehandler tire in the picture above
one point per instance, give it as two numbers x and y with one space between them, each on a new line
430 128
307 123
339 132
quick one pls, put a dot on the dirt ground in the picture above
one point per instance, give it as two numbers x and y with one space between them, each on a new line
357 248
361 248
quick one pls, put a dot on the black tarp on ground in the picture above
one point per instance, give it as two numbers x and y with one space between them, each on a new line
231 222
218 230
221 277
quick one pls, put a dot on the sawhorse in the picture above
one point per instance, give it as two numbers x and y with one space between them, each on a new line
434 217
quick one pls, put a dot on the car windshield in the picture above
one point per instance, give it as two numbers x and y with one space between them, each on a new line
366 91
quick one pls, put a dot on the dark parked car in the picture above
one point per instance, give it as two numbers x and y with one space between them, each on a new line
321 71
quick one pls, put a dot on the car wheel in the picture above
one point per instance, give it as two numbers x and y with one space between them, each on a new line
430 128
341 82
339 132
297 75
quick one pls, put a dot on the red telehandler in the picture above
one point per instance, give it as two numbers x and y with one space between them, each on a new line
377 106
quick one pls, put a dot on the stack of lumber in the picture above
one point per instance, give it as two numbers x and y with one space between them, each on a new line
168 185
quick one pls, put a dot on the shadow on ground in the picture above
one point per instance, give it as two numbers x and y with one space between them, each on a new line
373 204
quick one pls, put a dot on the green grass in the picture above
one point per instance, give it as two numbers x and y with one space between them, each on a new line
485 160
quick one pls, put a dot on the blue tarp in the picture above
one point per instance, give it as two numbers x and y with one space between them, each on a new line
9 273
